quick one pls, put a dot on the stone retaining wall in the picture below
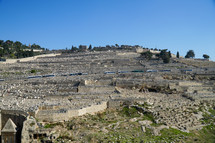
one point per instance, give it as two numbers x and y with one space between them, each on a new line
189 83
96 89
61 115
11 61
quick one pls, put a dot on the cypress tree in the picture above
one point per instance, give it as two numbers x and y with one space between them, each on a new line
177 55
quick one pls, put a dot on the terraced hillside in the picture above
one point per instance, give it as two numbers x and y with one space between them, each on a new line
112 96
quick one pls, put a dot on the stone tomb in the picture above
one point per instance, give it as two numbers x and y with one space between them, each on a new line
8 133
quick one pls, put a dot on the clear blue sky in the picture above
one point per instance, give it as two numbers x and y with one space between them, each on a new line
177 25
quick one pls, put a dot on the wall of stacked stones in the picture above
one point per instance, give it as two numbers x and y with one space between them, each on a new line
61 115
95 89
10 61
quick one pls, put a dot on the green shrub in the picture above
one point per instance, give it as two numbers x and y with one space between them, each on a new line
33 71
130 112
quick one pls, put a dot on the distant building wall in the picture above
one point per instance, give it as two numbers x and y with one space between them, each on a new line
141 50
35 50
83 48
154 52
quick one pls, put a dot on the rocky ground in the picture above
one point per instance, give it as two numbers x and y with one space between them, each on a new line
150 117
148 101
131 124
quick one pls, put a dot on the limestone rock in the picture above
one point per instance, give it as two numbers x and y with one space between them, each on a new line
145 122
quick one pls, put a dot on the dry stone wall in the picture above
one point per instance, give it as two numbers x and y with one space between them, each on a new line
66 114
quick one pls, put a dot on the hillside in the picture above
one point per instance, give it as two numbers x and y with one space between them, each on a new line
109 96
10 49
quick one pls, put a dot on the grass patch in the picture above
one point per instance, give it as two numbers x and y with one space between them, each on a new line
209 118
46 126
65 136
19 73
49 126
212 111
90 128
130 112
149 116
32 124
173 132
33 71
206 135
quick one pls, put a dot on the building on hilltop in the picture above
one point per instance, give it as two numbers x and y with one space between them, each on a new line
8 133
83 48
